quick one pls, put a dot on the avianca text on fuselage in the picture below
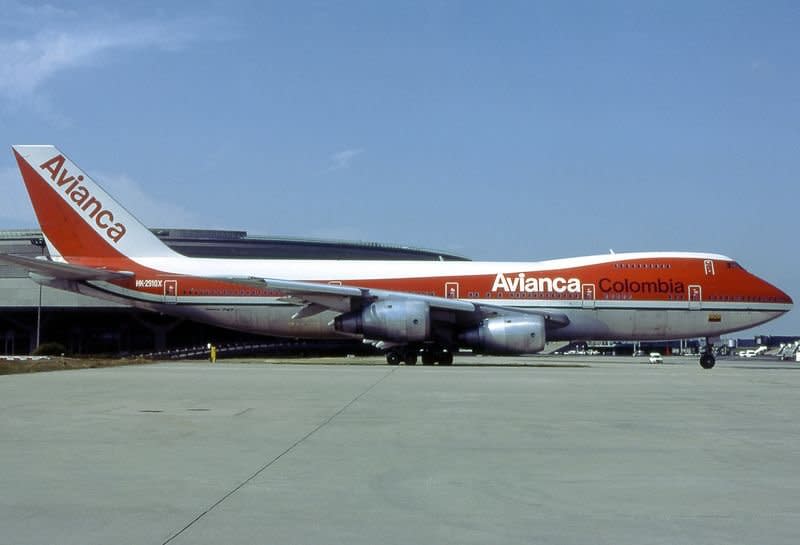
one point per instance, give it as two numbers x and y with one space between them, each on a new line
520 283
82 198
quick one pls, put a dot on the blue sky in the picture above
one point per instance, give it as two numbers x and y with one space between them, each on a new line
504 130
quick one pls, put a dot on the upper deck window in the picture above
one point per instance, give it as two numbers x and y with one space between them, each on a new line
642 266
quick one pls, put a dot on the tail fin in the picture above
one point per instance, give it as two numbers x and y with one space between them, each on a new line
78 218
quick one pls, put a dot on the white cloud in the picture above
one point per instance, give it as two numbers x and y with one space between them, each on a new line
36 12
28 62
343 159
763 66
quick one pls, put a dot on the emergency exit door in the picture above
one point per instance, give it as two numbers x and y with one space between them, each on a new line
171 291
588 295
695 297
451 290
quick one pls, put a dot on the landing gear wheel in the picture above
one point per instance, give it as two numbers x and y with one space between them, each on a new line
446 358
428 358
393 358
410 358
707 360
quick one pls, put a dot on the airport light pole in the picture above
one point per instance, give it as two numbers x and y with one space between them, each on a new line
40 243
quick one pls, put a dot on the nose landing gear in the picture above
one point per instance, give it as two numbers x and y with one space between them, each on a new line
707 360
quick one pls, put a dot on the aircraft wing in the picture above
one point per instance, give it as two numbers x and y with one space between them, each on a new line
65 271
317 297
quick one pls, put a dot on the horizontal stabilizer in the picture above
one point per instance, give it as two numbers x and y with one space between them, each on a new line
63 271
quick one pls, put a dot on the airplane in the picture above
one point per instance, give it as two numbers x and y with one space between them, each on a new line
408 308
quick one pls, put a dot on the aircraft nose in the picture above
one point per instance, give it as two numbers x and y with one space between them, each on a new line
778 295
767 292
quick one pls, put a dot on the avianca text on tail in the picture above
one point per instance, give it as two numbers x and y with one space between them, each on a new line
83 200
411 308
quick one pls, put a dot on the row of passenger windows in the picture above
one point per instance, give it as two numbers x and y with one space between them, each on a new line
740 299
532 295
471 295
500 295
642 266
629 297
231 293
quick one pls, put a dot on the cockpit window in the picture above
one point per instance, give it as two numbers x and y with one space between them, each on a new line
734 265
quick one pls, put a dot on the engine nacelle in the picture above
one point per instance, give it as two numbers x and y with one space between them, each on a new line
508 335
401 321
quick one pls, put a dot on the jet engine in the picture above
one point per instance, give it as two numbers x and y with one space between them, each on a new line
399 321
522 334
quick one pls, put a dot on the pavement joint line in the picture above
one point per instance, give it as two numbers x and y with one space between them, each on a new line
278 457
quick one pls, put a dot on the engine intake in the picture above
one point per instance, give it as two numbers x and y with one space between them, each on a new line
507 335
400 321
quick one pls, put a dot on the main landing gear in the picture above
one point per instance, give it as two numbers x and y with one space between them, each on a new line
408 355
707 359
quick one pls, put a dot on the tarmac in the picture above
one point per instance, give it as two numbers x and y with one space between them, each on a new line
551 450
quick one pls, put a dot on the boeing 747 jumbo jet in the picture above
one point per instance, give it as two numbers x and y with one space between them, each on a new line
408 308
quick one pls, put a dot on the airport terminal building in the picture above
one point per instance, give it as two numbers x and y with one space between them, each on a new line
85 325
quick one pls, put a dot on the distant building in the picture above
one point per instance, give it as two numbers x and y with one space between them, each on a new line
85 325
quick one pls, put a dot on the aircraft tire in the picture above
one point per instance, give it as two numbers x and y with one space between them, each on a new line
410 358
446 358
428 358
393 358
707 361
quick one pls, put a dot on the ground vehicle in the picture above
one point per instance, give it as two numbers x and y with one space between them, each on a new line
655 357
753 353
